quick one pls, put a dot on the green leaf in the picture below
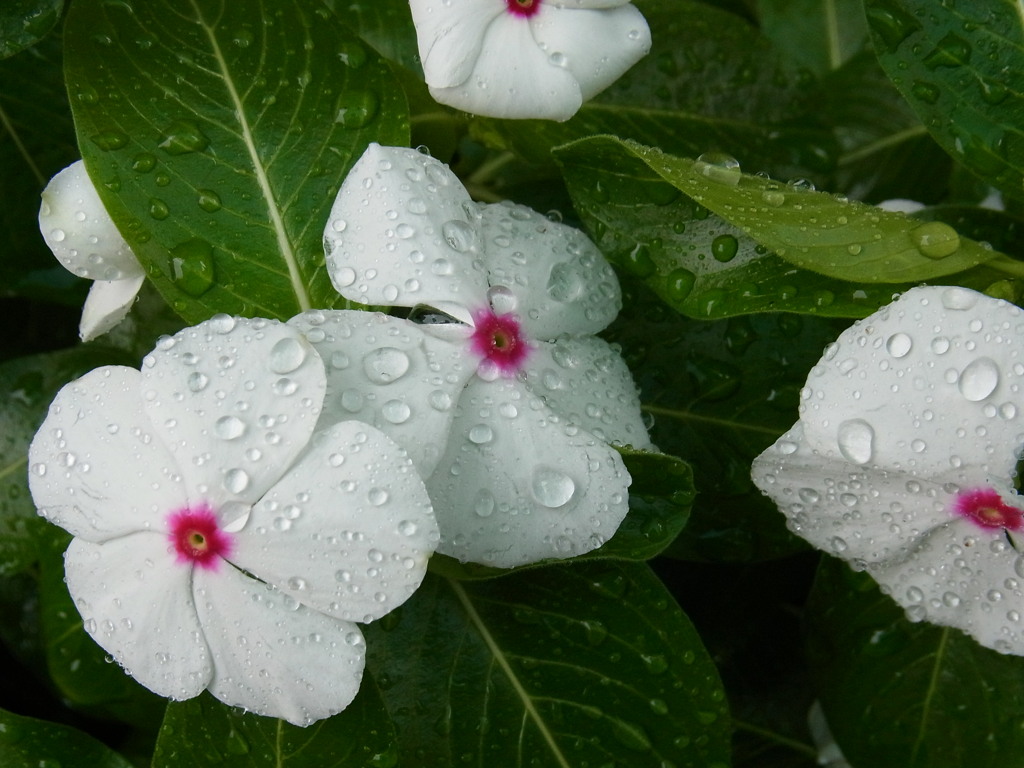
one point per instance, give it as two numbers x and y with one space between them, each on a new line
885 151
810 230
387 26
218 135
29 743
957 66
720 393
586 664
24 23
36 140
818 34
27 385
204 732
710 83
904 695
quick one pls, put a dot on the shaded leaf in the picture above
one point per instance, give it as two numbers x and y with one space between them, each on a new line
720 393
36 140
904 695
710 83
204 732
218 135
387 26
29 743
958 66
24 23
818 34
570 665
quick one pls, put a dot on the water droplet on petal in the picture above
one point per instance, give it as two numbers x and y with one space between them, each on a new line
979 379
229 427
236 480
552 488
385 365
899 344
481 434
287 355
856 441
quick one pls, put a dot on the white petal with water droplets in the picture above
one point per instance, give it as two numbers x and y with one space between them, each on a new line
349 529
402 232
518 484
136 602
95 466
272 655
390 373
962 576
909 407
514 78
80 232
586 382
235 400
107 304
597 44
557 280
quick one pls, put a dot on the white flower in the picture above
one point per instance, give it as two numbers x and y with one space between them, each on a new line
219 543
526 58
904 457
509 410
86 242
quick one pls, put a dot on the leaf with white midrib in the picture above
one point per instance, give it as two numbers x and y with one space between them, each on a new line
218 134
562 665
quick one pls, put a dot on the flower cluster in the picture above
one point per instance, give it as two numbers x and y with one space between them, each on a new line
904 459
259 487
526 58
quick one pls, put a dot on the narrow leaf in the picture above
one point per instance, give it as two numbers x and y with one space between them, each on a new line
808 229
819 34
219 133
572 665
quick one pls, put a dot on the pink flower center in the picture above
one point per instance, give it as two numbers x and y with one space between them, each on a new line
985 507
524 8
499 340
196 537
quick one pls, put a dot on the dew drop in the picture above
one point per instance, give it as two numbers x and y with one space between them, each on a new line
459 235
855 439
899 345
287 355
935 239
236 480
552 488
229 427
385 365
979 379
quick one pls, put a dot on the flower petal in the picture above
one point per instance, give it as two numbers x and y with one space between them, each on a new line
107 304
450 37
517 484
236 401
349 529
388 372
925 386
136 602
550 274
402 232
586 382
597 45
95 468
80 232
514 78
272 655
961 577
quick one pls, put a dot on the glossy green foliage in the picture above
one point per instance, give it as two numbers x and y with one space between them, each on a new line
24 23
560 666
218 135
29 743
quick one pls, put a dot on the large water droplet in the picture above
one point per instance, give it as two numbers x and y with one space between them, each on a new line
287 355
856 440
459 235
483 504
935 239
356 108
183 137
236 480
899 345
979 379
229 427
384 365
552 488
719 167
191 266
